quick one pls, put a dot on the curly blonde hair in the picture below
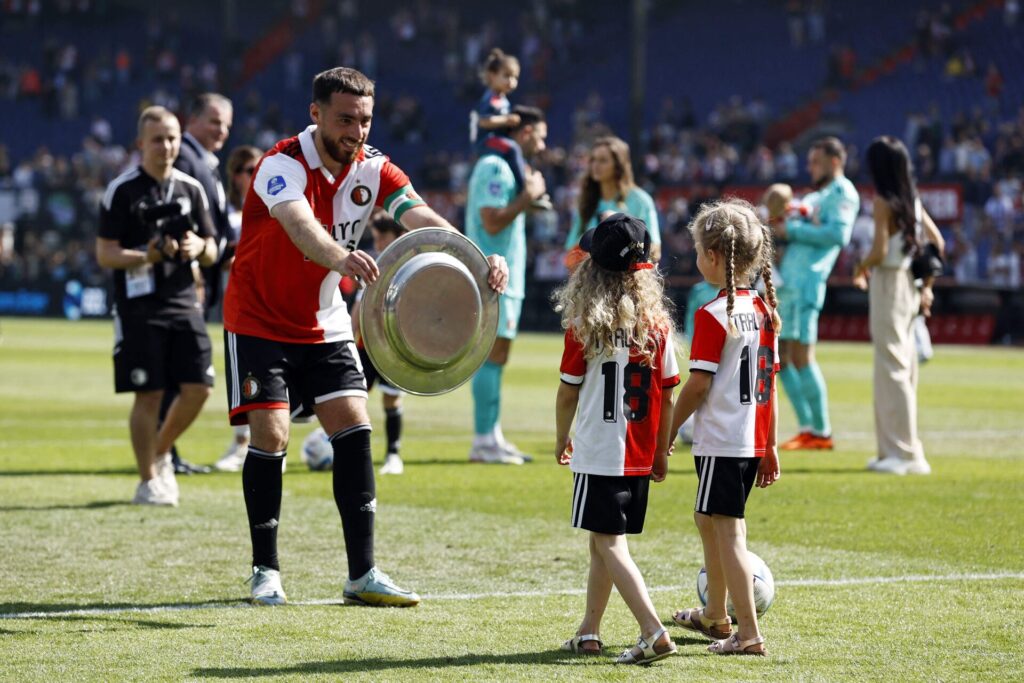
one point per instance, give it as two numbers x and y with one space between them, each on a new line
732 229
596 303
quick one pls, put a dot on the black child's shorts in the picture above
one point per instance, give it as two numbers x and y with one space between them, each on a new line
609 505
724 483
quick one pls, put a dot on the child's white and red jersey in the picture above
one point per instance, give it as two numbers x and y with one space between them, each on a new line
275 292
619 412
734 419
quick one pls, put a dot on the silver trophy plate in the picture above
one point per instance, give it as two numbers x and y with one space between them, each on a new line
429 321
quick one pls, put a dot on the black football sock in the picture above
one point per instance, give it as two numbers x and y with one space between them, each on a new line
393 428
355 494
261 485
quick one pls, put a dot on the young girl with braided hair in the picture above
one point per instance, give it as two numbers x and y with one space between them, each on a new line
733 361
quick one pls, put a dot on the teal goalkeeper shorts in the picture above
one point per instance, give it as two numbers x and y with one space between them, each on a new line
509 310
799 317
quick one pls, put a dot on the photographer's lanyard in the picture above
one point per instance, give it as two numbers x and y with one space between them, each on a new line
170 190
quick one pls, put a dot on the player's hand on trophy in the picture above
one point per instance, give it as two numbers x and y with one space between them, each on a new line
360 265
498 277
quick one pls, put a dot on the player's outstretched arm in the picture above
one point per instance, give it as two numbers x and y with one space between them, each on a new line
423 216
297 219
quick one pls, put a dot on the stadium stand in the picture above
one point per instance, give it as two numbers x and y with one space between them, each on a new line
942 75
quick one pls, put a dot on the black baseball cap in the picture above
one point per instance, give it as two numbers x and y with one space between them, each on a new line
619 243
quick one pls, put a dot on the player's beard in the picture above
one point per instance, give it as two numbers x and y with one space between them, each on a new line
335 151
822 181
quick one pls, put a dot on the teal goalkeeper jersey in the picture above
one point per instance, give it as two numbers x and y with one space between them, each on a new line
492 185
638 204
814 243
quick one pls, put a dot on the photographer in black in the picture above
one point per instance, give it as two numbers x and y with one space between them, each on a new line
154 222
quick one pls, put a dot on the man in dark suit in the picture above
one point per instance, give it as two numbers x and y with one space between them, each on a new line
206 131
207 128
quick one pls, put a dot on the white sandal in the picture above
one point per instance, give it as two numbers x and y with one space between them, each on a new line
734 646
575 644
647 652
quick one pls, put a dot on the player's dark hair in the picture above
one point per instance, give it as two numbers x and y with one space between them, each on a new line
831 146
893 174
528 116
497 60
341 79
384 223
199 103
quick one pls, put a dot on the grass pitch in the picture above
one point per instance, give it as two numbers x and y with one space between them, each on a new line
878 578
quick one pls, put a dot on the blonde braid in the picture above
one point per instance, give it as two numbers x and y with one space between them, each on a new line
730 280
766 274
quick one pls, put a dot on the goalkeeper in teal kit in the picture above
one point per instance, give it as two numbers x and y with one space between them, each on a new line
815 230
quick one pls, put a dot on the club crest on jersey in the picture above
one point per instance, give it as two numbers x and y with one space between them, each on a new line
139 377
361 195
251 387
275 185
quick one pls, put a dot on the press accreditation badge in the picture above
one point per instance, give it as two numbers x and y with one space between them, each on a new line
141 280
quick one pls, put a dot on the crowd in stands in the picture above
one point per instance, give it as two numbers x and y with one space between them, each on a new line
48 199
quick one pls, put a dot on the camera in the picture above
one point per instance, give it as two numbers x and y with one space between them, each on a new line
170 218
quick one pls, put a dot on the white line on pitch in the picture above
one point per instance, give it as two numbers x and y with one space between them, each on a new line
867 580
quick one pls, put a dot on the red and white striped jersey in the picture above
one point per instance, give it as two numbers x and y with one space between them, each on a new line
619 411
275 292
733 420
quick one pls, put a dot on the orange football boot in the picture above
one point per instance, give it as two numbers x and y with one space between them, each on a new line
796 443
818 443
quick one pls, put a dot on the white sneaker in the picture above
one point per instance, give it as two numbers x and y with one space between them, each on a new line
511 449
897 466
919 467
377 589
233 458
392 464
165 474
152 493
266 587
493 454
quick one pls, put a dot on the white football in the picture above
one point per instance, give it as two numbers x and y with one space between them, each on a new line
764 586
686 430
317 450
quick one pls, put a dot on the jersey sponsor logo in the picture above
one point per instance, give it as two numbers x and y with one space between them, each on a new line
361 195
275 185
251 387
345 232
